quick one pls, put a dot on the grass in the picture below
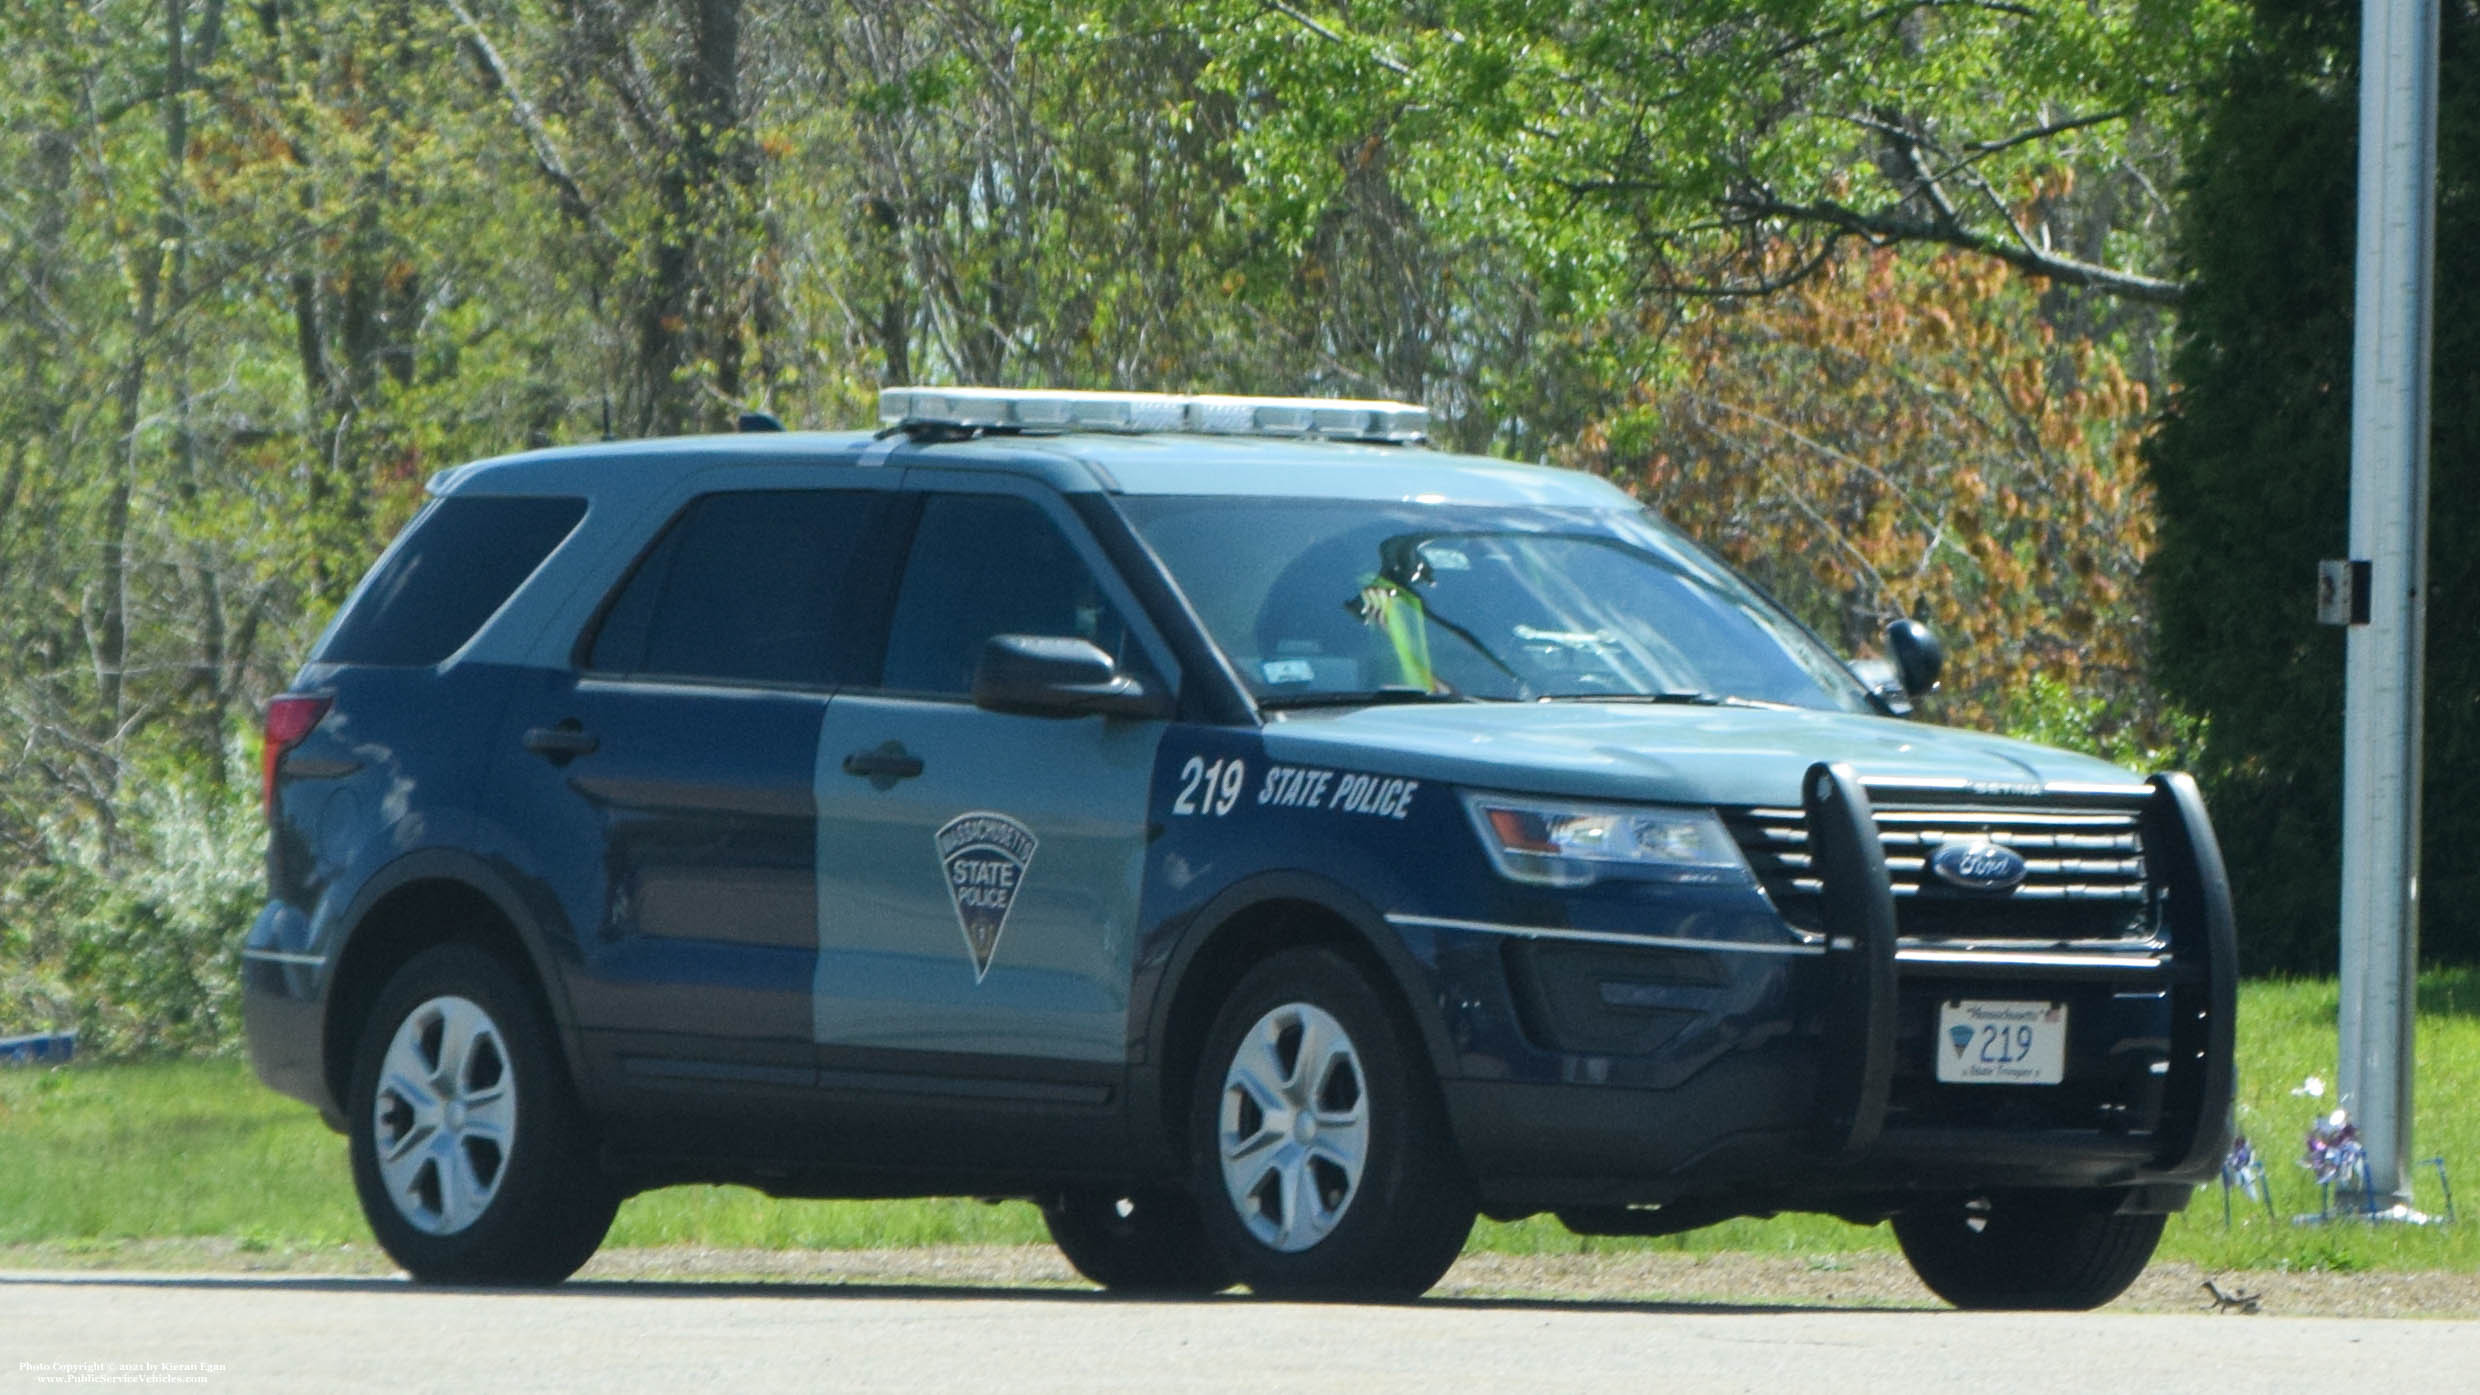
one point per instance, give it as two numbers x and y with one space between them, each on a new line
111 1153
95 1158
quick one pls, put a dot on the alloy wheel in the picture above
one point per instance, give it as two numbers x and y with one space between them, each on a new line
1294 1128
445 1115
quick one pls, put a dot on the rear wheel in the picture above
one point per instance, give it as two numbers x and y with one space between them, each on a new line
2027 1249
1149 1240
1322 1158
469 1151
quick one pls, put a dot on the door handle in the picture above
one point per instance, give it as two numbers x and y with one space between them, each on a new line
884 764
562 743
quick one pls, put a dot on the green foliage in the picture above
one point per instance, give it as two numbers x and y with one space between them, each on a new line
1654 138
135 941
265 268
2251 471
2052 712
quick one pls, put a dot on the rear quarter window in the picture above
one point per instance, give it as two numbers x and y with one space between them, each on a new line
458 562
750 587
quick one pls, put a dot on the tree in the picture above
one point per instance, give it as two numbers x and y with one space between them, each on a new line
237 247
1905 433
1704 136
662 197
2251 468
266 266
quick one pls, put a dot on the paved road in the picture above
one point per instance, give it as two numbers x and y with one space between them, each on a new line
234 1334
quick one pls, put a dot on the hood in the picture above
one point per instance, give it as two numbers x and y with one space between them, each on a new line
1662 753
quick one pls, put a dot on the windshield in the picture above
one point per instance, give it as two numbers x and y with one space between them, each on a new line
1337 600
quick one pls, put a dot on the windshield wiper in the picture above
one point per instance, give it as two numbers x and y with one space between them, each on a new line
1361 697
1689 697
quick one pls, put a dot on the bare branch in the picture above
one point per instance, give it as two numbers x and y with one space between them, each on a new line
1840 457
1799 502
624 72
2055 128
1762 286
1392 65
2152 192
1908 143
1814 37
1885 228
573 200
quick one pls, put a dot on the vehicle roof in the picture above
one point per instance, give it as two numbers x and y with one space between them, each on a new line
1072 462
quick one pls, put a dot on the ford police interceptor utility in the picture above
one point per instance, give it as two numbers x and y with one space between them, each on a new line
1262 841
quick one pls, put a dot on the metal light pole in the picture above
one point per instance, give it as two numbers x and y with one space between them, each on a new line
2389 545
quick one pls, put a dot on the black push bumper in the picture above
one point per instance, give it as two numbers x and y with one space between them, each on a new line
1849 1118
1868 972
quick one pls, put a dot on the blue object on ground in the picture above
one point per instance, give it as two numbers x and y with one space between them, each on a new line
38 1049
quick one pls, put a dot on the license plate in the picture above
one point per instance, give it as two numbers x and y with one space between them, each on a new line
1983 1041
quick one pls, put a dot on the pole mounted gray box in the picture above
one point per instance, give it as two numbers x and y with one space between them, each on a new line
2342 592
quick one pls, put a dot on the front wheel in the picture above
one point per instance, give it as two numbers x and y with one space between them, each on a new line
2027 1249
1322 1158
469 1151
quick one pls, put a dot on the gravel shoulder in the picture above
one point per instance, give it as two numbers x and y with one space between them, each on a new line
1729 1279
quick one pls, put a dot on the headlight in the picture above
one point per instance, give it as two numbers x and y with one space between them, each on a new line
1567 843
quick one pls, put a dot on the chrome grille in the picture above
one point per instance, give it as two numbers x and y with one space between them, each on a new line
2084 870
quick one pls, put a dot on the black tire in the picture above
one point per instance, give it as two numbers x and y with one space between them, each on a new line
1145 1240
2027 1249
1388 1230
489 1176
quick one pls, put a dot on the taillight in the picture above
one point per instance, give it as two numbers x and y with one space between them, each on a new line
289 718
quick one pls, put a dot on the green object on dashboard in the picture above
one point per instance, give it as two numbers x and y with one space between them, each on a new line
1395 608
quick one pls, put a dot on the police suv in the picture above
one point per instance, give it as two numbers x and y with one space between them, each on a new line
1259 839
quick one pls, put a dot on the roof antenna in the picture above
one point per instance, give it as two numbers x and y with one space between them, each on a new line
760 421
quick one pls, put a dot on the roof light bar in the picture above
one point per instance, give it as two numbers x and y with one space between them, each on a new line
1397 423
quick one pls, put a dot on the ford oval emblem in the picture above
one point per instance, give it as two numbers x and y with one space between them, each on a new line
1978 866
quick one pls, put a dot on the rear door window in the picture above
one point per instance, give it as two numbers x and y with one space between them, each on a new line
456 565
756 586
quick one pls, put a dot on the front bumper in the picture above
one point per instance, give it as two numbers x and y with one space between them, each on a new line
1845 1115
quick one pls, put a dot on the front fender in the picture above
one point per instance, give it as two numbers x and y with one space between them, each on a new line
1186 980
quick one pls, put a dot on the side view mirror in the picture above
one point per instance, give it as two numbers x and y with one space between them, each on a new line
1918 657
1058 676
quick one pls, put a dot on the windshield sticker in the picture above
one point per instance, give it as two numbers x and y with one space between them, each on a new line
985 856
1288 671
1306 787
